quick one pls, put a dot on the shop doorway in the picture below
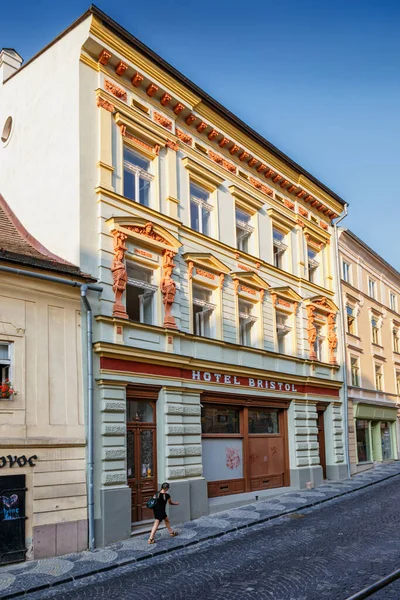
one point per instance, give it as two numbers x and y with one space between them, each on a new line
321 439
244 447
386 441
141 442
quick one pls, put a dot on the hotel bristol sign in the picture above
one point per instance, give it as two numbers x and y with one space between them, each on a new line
265 384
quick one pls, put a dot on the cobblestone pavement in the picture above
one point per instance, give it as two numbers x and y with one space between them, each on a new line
329 545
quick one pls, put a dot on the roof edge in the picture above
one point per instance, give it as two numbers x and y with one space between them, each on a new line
364 245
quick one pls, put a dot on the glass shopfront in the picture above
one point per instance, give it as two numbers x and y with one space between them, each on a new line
375 439
363 440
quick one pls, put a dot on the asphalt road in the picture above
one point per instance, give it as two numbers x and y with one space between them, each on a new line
328 552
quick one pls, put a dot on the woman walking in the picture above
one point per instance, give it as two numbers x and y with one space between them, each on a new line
160 514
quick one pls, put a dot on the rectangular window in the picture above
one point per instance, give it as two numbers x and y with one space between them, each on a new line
263 420
282 331
393 301
139 294
220 420
355 371
375 331
200 209
372 288
351 320
5 361
398 383
313 265
202 311
246 322
346 271
137 178
378 378
363 441
279 248
244 230
396 345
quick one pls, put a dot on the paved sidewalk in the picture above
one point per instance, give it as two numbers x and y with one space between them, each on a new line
25 578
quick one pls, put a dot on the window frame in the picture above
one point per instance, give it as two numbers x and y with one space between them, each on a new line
372 288
346 271
312 273
198 317
355 372
375 331
279 248
351 326
138 173
143 285
202 204
246 227
6 363
286 335
248 323
378 371
393 301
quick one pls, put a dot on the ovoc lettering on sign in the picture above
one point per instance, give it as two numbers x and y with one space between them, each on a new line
264 384
18 461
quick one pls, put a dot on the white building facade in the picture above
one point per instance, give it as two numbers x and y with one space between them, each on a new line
216 334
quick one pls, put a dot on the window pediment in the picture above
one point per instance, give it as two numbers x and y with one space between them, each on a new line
285 298
249 284
139 137
283 220
146 232
245 201
322 304
316 237
206 260
201 175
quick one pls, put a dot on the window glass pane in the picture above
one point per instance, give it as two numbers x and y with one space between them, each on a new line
278 235
137 272
136 159
146 453
199 192
263 421
242 216
205 214
4 351
144 188
218 419
130 454
363 446
133 294
194 216
139 411
129 184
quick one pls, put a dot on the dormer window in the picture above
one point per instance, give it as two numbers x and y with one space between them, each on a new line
200 209
244 229
279 248
137 177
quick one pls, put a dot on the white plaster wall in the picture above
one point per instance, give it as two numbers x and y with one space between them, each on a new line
39 166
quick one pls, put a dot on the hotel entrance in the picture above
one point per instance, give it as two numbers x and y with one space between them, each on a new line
244 444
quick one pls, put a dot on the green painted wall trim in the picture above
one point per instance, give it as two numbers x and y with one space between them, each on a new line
378 413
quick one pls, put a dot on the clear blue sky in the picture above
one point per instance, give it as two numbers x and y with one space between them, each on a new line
320 79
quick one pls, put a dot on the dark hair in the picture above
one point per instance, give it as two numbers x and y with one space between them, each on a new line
165 486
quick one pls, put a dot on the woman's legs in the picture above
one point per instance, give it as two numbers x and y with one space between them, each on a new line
168 525
155 527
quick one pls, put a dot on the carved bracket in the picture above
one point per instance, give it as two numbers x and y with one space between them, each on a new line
120 276
168 288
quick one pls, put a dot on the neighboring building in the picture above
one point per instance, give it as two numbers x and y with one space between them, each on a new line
42 435
371 296
215 336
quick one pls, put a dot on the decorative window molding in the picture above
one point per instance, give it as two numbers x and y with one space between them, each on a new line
249 284
245 201
146 141
205 269
285 222
201 175
321 311
285 298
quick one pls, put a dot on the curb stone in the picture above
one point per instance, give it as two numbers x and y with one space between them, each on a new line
358 482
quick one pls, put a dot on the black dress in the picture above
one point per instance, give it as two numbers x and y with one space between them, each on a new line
159 509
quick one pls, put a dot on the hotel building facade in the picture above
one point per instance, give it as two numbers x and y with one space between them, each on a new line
371 290
216 335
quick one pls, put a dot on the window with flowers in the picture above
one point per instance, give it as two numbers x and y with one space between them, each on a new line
6 387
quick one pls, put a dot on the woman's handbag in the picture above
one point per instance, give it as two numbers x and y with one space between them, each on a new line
152 502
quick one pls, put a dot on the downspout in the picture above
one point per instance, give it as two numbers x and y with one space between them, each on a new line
89 331
343 340
90 427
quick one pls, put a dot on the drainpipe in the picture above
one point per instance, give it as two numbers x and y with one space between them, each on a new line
343 339
89 334
90 427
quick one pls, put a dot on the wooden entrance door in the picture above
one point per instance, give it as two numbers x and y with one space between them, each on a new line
141 455
266 449
321 441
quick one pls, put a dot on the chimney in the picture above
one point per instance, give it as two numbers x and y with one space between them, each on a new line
10 62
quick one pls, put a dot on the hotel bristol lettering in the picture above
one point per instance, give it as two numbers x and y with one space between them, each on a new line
265 384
